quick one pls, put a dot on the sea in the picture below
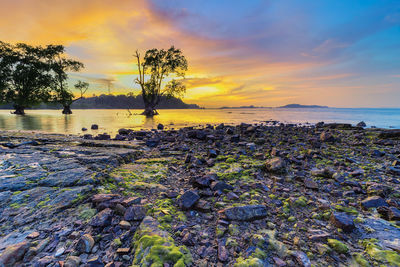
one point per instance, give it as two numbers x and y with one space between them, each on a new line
110 120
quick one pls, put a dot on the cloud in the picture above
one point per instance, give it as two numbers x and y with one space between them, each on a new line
239 52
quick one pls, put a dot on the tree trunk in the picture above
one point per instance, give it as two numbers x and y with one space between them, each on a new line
19 110
149 111
67 110
149 107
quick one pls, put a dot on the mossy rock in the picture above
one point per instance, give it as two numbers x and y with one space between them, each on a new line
338 246
153 247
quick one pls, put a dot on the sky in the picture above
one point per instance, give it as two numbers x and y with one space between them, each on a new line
240 52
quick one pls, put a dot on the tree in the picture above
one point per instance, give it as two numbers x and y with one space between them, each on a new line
60 65
25 77
157 65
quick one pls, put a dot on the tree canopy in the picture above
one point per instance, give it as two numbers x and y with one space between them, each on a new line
157 65
30 75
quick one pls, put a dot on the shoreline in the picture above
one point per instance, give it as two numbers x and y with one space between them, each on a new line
217 196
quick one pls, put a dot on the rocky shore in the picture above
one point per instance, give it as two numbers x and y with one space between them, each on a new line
245 195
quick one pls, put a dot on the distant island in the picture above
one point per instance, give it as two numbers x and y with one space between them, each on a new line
251 106
302 106
115 102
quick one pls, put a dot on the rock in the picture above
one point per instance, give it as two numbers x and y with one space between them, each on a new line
152 142
279 262
218 185
245 213
188 239
33 235
212 153
94 127
85 244
302 258
361 124
135 213
202 182
275 165
160 126
373 202
124 225
343 221
386 134
13 254
326 137
59 252
103 136
235 138
101 219
124 131
188 199
223 254
131 201
310 183
202 206
72 261
123 250
95 262
149 227
389 213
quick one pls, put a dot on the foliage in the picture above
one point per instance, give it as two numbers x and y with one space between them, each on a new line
156 66
25 75
30 75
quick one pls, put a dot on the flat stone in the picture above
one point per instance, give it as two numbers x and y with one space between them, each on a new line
373 202
245 213
33 235
218 185
95 262
123 250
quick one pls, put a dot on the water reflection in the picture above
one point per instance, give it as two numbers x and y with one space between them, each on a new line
112 120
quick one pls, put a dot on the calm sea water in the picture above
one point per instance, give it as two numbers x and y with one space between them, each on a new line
110 120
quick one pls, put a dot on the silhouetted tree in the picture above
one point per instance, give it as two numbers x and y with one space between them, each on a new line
60 65
156 66
25 77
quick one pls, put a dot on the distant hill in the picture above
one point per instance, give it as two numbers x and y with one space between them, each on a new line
302 106
115 102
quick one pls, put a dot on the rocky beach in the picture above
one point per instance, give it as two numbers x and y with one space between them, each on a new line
270 194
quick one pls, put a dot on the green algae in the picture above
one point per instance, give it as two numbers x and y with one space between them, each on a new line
379 254
338 246
154 251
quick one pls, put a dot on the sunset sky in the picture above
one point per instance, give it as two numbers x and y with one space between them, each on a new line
338 53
